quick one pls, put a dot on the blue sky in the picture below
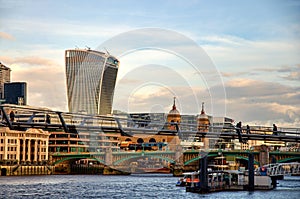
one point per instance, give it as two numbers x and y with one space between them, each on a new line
254 46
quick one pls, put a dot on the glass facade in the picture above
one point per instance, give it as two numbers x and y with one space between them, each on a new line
91 78
4 78
15 93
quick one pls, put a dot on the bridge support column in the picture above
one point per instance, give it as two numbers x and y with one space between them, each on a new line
251 172
264 155
178 166
203 175
108 157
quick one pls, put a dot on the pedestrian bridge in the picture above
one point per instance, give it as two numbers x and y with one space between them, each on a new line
23 117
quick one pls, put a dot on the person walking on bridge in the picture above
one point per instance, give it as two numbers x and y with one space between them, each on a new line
239 131
248 129
12 116
275 130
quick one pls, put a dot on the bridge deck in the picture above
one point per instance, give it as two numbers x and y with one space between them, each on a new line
24 117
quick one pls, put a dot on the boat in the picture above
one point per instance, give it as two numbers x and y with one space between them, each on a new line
188 179
224 180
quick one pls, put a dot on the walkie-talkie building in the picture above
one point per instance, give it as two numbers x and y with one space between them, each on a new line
91 77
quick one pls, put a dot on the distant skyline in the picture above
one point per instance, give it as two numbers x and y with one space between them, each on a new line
254 45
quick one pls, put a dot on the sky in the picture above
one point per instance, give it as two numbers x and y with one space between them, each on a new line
239 57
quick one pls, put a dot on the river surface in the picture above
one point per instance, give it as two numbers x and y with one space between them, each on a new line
133 186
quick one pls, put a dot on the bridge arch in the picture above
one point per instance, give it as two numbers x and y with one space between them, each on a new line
78 157
290 159
143 155
198 158
215 155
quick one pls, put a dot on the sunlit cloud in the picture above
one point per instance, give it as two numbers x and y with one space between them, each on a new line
46 88
6 36
30 61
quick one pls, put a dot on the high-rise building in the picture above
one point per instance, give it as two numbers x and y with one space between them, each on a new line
15 93
4 78
91 77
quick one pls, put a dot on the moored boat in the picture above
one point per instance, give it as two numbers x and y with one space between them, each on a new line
188 179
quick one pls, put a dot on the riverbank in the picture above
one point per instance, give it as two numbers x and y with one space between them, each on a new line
23 170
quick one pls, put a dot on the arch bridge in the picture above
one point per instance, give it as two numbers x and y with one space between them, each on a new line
188 158
114 158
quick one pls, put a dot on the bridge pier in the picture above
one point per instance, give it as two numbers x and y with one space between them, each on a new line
203 175
251 172
264 155
108 157
178 166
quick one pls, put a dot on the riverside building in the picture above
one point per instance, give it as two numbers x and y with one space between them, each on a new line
91 77
83 142
23 147
24 152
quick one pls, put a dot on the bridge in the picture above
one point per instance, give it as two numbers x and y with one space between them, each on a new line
124 160
23 117
169 156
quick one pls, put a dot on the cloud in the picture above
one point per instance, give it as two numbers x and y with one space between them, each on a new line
65 28
294 76
253 100
250 101
250 87
45 80
30 61
46 87
7 36
238 53
188 101
293 72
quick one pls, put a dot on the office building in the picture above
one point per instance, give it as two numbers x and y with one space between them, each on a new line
91 78
15 93
4 78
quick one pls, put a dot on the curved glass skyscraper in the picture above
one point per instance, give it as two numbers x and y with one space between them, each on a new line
91 77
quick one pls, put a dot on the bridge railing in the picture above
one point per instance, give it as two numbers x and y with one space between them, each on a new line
283 169
27 116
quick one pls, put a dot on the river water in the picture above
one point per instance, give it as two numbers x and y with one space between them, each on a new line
132 186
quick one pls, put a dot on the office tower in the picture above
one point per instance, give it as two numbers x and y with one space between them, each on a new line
4 78
91 77
15 93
